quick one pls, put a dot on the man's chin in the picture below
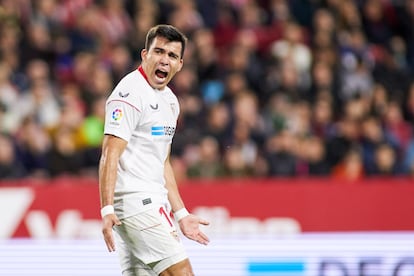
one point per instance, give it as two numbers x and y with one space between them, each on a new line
156 84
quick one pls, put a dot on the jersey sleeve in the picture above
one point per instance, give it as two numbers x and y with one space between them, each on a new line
121 118
123 108
177 112
175 104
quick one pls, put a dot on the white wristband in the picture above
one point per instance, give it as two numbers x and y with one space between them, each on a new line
106 210
181 214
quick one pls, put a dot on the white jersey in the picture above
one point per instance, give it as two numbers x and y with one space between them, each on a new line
146 118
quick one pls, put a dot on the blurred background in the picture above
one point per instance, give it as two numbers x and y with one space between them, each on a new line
295 132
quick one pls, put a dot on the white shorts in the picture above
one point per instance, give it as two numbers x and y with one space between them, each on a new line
148 243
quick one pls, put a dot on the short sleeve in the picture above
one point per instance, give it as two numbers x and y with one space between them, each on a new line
121 119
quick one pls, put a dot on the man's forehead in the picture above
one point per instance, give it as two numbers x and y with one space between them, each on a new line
163 43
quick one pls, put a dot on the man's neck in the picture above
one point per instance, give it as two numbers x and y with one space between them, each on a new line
141 70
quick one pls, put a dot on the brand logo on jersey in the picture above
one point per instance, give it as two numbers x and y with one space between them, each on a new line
162 131
117 114
155 107
123 95
116 117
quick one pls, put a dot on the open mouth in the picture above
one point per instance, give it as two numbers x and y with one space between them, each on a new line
161 74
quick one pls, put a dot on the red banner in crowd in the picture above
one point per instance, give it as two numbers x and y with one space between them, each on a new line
69 208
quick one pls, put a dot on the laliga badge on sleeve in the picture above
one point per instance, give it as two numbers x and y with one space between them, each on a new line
116 116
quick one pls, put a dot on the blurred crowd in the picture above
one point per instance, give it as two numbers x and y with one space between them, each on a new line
269 88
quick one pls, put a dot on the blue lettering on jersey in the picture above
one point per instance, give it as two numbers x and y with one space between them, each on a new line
157 131
162 131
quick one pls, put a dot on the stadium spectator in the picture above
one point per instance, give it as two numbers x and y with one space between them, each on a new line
9 95
234 165
351 167
218 123
292 47
375 142
345 135
39 100
397 127
312 154
408 159
63 159
10 165
280 154
408 106
322 117
208 163
386 161
33 144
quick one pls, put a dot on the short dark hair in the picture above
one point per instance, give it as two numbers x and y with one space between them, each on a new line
167 31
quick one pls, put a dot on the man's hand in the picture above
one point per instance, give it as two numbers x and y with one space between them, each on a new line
189 225
108 222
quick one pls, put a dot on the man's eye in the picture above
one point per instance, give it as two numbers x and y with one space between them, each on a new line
173 56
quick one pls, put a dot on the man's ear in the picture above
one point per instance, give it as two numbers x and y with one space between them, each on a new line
144 53
181 65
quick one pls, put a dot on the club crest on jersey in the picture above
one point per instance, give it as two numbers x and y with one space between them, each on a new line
116 116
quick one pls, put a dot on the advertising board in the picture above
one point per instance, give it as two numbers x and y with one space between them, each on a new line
348 254
297 227
69 208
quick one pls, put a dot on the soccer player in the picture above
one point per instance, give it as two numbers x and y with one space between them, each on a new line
137 186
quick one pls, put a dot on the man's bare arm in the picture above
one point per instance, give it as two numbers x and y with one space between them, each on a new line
189 223
112 148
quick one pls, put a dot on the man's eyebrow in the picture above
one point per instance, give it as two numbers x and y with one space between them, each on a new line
159 49
173 54
163 50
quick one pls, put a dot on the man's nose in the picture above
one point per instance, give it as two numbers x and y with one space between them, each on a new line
164 60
